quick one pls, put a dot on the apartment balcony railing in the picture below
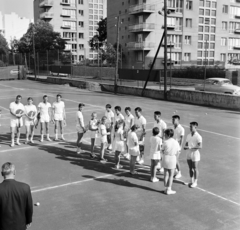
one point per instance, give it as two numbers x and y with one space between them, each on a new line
66 26
238 1
65 3
173 27
141 8
237 31
66 38
46 15
65 15
140 45
236 47
237 16
46 4
142 27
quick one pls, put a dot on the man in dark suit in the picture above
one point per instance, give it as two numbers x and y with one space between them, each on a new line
16 207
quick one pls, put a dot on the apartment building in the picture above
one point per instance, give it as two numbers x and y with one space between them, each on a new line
198 30
76 20
12 26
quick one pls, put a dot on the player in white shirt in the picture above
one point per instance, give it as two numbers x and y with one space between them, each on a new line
17 111
80 127
193 144
179 133
162 126
119 115
30 113
109 124
103 138
141 123
59 116
93 128
44 108
129 122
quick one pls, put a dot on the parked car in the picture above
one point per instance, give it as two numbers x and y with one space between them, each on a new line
219 85
14 72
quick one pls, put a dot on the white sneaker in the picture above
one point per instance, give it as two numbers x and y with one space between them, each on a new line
193 185
155 180
79 151
48 139
18 143
170 192
141 162
63 138
178 175
32 141
12 145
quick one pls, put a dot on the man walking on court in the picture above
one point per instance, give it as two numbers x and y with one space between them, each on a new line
16 208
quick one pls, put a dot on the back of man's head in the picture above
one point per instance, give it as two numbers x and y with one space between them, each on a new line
8 170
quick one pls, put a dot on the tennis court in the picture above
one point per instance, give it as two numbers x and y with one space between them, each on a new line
76 192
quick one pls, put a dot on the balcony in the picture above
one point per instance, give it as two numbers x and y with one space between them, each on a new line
65 15
143 27
238 1
174 46
46 15
140 45
237 47
66 26
237 31
46 4
142 8
237 16
65 2
66 38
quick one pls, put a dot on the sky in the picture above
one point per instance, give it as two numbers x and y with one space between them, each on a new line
24 8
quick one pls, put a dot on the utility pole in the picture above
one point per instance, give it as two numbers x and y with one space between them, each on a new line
165 49
205 69
170 64
116 68
34 53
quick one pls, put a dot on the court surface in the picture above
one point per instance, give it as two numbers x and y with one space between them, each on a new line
76 192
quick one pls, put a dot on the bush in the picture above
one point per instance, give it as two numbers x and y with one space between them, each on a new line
198 73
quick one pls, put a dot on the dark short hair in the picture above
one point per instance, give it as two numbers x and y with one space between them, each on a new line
157 113
169 132
81 105
194 123
59 95
176 117
138 109
118 108
108 106
128 108
155 131
45 96
18 96
134 127
30 98
7 168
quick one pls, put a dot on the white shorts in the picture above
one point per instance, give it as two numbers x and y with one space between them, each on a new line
29 122
79 129
134 151
156 156
58 117
45 119
118 146
193 155
15 122
103 139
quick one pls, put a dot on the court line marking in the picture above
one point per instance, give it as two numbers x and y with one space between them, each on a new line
4 108
36 95
11 87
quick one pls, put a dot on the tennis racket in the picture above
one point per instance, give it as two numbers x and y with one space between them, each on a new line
19 112
32 114
37 120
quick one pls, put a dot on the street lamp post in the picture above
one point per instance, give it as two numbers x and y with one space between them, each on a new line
34 53
165 49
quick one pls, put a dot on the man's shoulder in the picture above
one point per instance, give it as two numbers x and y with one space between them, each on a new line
14 183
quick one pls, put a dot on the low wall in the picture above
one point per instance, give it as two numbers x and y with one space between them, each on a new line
11 73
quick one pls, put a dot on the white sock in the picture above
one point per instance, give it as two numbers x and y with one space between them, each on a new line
17 139
47 135
62 136
192 180
195 181
12 141
42 136
56 136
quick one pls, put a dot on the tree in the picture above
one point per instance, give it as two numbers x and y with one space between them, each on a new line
44 37
109 54
3 45
98 40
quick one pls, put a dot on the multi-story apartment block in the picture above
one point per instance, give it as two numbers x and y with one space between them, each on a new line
76 20
198 30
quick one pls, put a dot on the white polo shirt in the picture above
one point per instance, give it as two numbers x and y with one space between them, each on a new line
119 117
193 141
178 133
44 107
109 116
161 125
140 122
58 107
79 116
128 121
14 107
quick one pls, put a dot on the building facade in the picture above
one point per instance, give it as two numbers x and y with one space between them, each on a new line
76 20
199 31
12 26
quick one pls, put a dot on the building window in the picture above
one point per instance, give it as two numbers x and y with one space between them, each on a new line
81 24
234 11
81 46
140 56
206 37
200 37
223 57
201 20
214 5
201 11
199 61
212 38
214 13
223 41
189 5
208 4
207 12
200 29
80 2
225 9
207 29
188 40
212 46
81 35
201 3
189 22
199 53
213 29
81 12
213 21
187 56
224 25
211 53
200 45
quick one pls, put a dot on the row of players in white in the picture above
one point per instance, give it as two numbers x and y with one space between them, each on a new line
57 114
193 142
